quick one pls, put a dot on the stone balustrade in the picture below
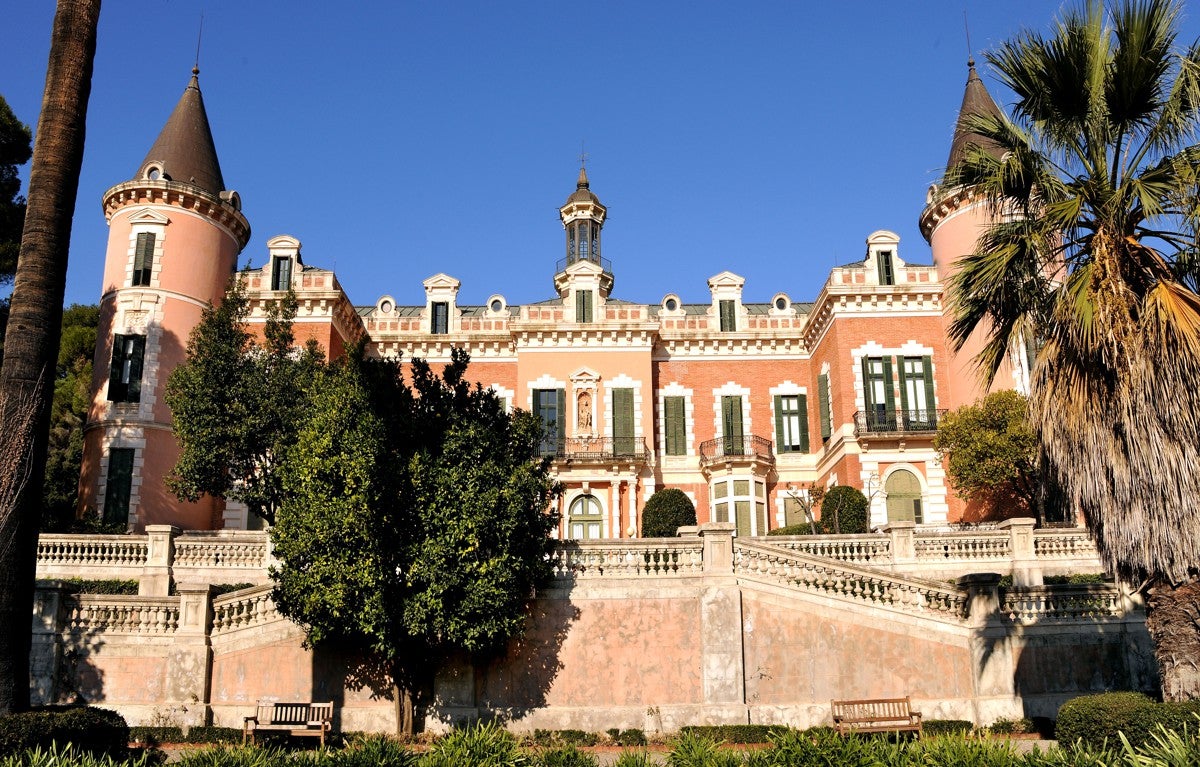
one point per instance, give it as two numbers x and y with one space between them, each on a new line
243 609
635 558
110 556
95 613
1089 602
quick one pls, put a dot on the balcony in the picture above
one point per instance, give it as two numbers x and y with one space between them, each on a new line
736 447
604 264
880 422
597 449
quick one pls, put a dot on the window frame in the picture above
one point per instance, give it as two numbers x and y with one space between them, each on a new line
125 367
791 423
439 318
118 489
143 259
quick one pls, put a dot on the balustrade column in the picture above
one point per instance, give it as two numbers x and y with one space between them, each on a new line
1026 570
904 546
189 661
991 650
160 557
722 668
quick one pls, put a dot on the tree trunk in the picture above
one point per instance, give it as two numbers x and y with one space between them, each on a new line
404 698
32 337
1173 620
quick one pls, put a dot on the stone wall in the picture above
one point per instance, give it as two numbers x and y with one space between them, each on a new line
652 634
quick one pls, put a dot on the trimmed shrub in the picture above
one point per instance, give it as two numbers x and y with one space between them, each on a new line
947 727
801 529
666 511
100 586
1097 719
90 730
154 736
849 506
735 733
1011 726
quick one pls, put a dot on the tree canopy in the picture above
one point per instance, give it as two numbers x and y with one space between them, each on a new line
414 520
72 395
16 147
665 512
990 451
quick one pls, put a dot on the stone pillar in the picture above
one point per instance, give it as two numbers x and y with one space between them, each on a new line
160 557
1025 569
189 661
991 651
722 667
904 547
45 654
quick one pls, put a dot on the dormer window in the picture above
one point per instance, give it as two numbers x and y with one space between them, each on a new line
584 305
439 318
887 275
728 315
281 273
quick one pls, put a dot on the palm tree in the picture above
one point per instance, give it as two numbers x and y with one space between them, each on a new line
1094 185
32 337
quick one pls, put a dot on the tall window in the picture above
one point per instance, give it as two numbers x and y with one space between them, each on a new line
675 425
583 305
550 405
120 485
281 273
878 395
743 502
728 315
125 372
916 393
883 259
731 421
585 518
904 497
622 423
824 405
143 258
791 423
439 321
584 239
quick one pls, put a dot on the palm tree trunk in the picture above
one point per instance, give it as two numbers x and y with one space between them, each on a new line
32 338
1173 620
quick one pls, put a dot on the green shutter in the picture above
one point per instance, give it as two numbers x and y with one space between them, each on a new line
622 423
731 408
119 486
889 389
866 377
802 401
583 306
143 259
136 355
823 395
780 445
675 426
728 316
116 389
904 378
560 398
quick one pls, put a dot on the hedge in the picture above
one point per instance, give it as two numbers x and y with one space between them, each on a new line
666 511
154 736
1097 719
91 730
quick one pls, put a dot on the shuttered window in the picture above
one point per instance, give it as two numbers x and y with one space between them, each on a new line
916 393
731 420
878 394
884 260
825 407
439 322
119 486
583 306
622 423
143 258
549 404
728 316
791 423
675 423
281 273
125 372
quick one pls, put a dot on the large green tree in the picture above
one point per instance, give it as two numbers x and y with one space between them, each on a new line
31 338
414 521
72 390
15 150
236 403
1094 182
990 452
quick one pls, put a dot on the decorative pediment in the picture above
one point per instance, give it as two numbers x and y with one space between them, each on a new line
726 279
148 216
441 282
585 375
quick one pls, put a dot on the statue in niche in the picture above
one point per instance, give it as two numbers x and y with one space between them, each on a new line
584 420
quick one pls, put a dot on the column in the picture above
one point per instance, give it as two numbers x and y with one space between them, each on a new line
722 669
1025 568
160 557
189 661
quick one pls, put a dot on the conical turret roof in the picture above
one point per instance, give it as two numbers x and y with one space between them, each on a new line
976 101
184 149
582 191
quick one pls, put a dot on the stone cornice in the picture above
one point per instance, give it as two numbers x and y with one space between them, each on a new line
890 300
184 196
945 203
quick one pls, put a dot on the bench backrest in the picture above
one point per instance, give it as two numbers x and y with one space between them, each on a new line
880 710
294 713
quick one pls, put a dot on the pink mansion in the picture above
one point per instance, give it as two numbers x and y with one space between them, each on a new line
740 401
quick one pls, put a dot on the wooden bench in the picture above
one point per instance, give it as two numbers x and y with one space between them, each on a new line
879 715
311 720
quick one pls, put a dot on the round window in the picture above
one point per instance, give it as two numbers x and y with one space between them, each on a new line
781 303
386 307
497 305
154 174
671 304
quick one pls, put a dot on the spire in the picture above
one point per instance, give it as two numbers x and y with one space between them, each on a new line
184 151
976 101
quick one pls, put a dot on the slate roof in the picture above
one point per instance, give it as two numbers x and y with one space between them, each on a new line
185 146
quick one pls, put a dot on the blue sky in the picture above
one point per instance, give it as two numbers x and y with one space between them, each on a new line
401 139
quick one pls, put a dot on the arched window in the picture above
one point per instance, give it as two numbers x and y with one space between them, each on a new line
903 497
585 518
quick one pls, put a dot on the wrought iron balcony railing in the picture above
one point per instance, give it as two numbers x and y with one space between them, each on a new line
736 446
596 449
563 263
881 421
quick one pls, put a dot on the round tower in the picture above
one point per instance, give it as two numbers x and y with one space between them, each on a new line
952 222
175 233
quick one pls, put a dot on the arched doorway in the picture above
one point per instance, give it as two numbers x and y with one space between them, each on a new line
585 518
903 497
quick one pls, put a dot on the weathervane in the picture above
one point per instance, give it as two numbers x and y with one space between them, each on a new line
583 156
